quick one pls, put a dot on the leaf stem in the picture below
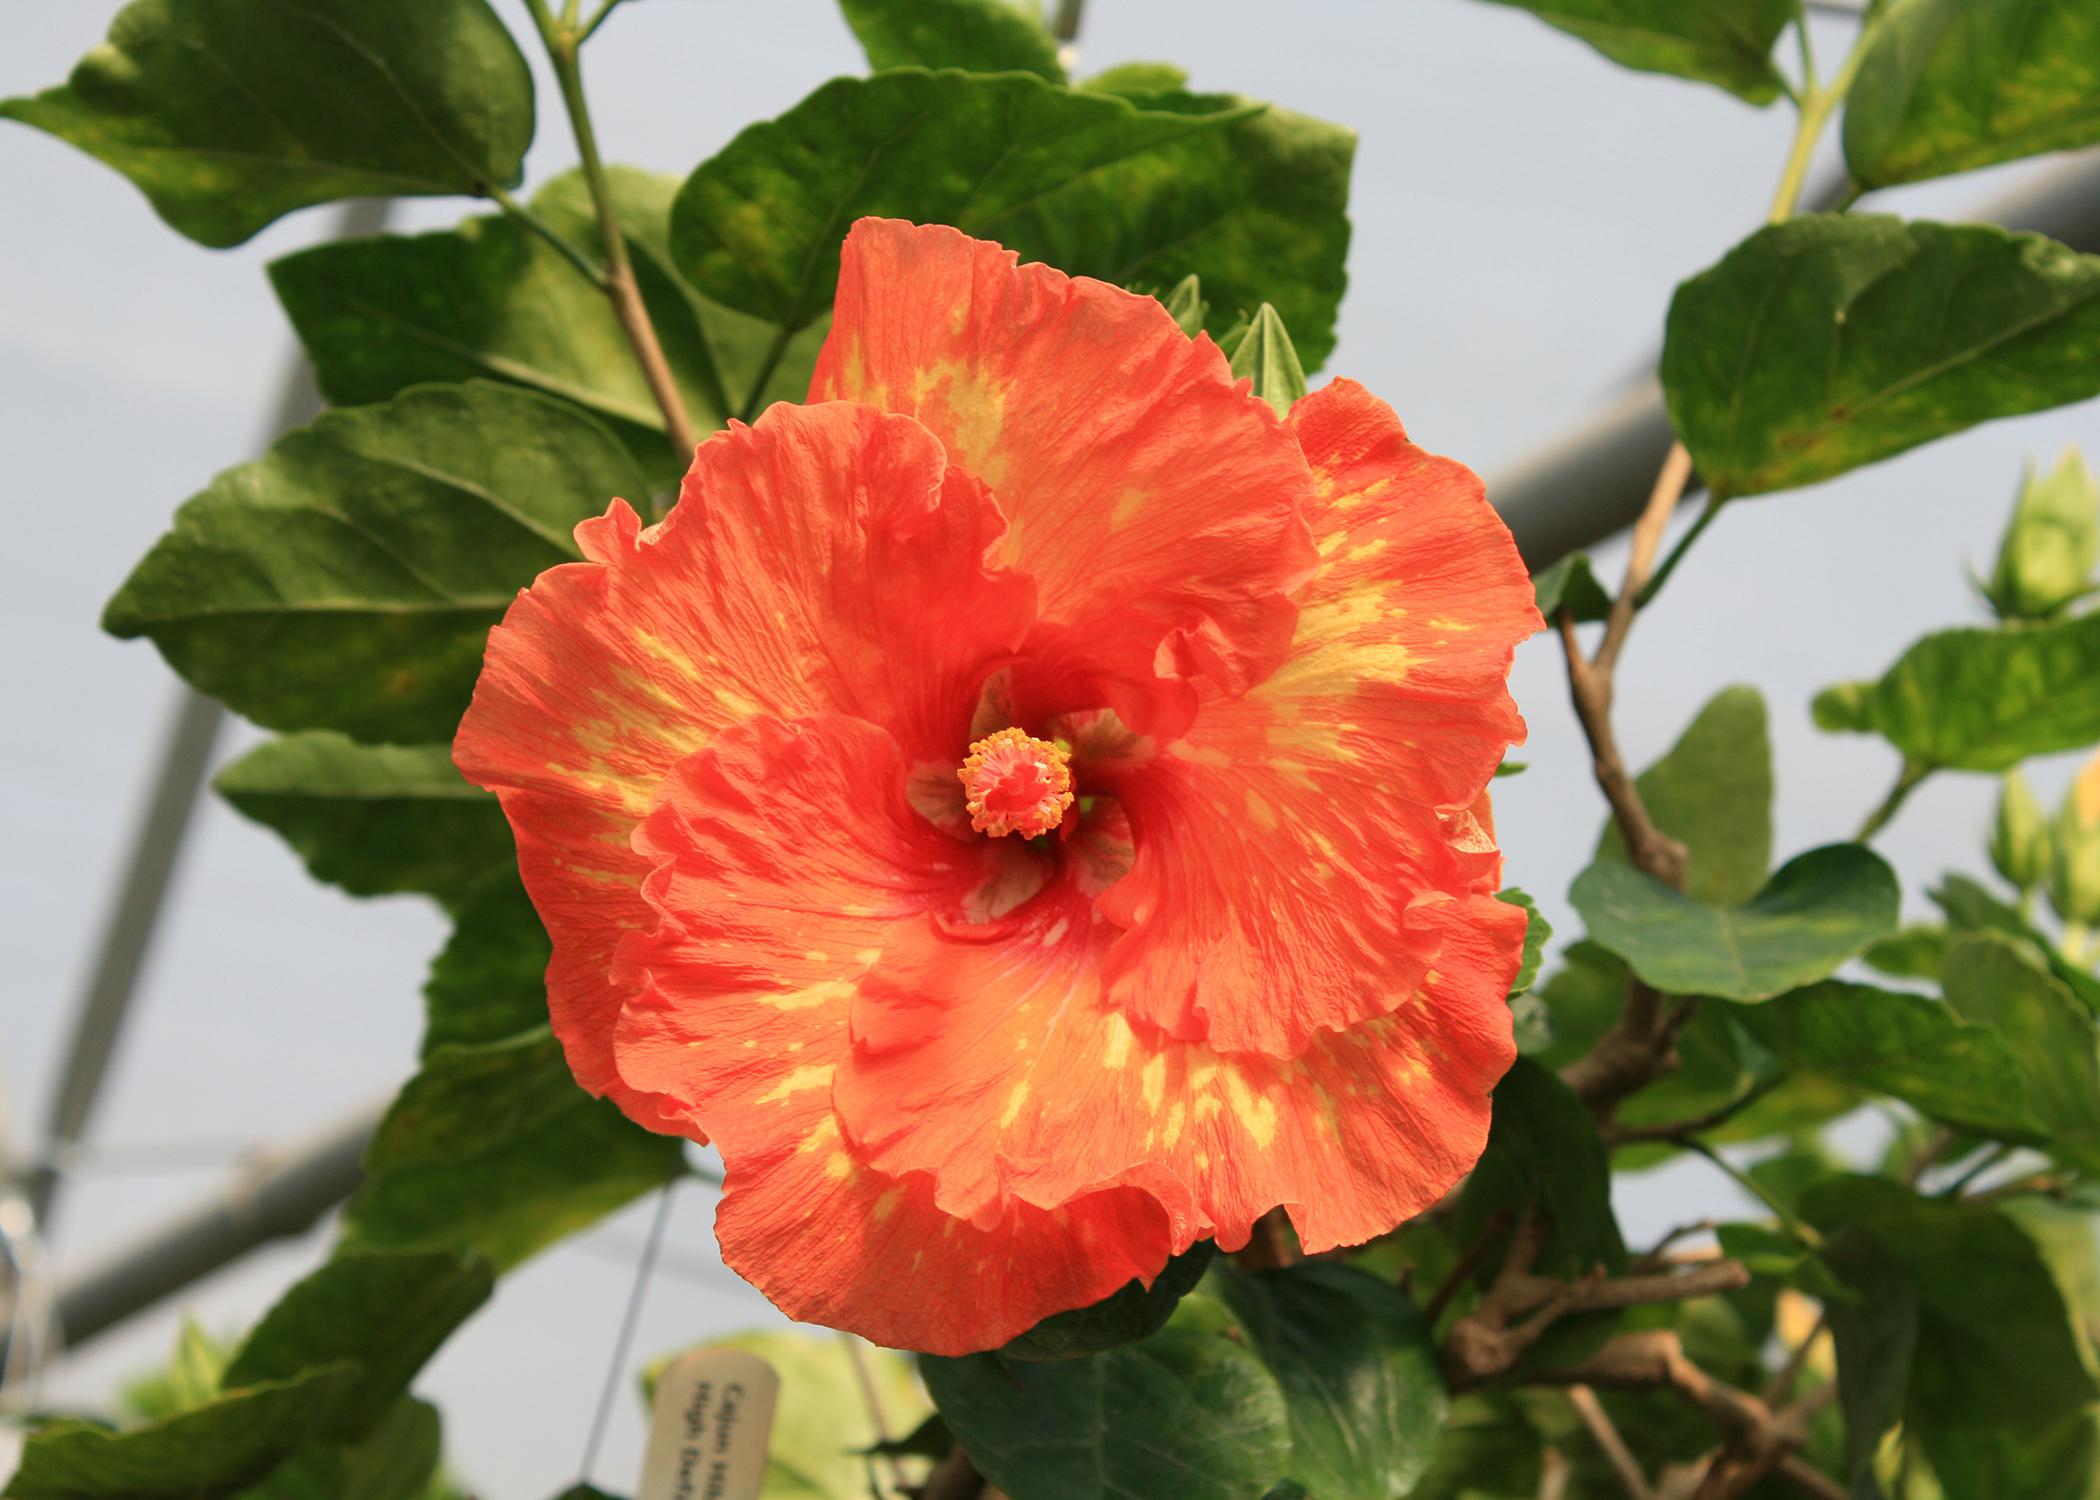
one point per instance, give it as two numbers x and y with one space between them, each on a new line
1817 105
592 273
1684 544
1755 1189
598 18
1906 782
766 367
562 40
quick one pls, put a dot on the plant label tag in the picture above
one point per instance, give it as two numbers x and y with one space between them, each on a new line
708 1428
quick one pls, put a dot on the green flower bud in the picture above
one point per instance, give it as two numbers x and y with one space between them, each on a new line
2047 555
2074 872
2020 835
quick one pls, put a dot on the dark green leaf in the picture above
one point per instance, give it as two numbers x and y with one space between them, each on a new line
1949 85
1249 197
1875 1330
387 1313
493 300
373 819
494 1149
348 580
1263 353
1135 1312
1724 42
1190 1412
2057 1460
1913 1048
398 1461
1543 1150
1834 340
1713 792
1818 910
2051 1035
985 36
1985 700
203 1454
2046 557
489 982
1572 584
1537 933
1995 1337
228 114
1359 1372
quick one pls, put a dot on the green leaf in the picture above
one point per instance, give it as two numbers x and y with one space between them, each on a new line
1723 42
1359 1370
228 114
490 299
212 1451
1971 908
1820 909
2046 558
398 1461
188 1380
373 819
2019 843
1190 1412
1264 354
348 580
2057 1460
984 36
386 1313
1983 700
1249 197
1834 340
1713 792
494 1149
1134 1312
2052 1036
1572 584
1185 304
489 980
1995 1336
1910 1047
1915 952
1875 1330
1537 933
1543 1150
1950 85
822 1430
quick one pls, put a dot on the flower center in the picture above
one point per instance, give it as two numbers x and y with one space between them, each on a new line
1014 783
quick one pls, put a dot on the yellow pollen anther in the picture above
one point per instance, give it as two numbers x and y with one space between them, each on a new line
1014 783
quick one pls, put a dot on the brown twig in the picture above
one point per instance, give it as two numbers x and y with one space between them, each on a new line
1270 1246
1554 1473
954 1478
1606 1436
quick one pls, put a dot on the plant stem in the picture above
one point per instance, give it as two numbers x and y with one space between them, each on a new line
766 367
1684 544
1906 782
1817 104
562 40
1755 1189
598 18
539 226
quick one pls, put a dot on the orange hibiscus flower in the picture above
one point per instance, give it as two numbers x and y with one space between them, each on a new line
1026 807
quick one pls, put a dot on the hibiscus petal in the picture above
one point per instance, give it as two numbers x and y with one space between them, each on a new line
786 855
998 1067
1292 844
1155 503
826 559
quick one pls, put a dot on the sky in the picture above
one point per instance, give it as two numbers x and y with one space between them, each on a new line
1522 209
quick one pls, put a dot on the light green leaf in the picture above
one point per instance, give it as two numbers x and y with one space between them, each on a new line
1263 353
373 819
985 36
1190 1412
494 1149
1572 584
1820 909
1133 79
1359 1370
212 1451
1834 340
1537 933
2050 1034
1950 85
1724 42
489 981
1249 197
386 1313
1185 304
490 299
2046 558
1995 1339
348 580
1713 792
1980 700
228 114
1910 1047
